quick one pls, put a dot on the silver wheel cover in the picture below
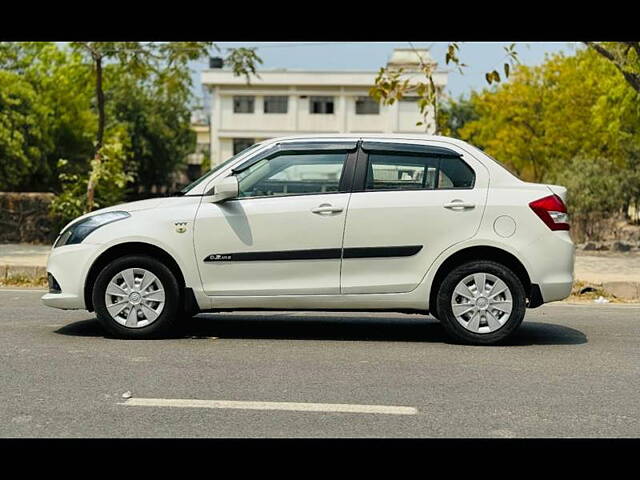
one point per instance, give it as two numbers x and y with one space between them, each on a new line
481 303
134 298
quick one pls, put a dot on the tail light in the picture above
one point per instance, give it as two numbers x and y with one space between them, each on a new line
552 211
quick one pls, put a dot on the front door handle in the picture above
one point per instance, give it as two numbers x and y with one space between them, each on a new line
459 204
326 208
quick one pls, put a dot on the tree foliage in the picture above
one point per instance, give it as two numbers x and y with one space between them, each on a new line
59 110
573 121
162 64
23 143
625 56
392 84
64 110
157 120
110 177
455 114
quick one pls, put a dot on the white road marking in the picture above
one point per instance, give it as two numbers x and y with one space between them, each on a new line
290 406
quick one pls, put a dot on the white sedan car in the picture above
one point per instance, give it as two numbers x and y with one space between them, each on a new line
405 223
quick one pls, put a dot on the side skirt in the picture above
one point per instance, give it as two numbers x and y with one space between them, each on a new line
416 300
395 310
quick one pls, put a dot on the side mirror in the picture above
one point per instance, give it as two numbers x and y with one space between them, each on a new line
226 189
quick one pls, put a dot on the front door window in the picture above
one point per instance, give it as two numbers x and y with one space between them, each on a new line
293 174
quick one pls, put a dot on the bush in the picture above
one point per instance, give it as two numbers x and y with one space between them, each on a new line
595 196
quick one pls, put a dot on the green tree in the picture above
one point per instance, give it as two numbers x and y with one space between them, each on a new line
157 118
61 107
547 115
23 140
58 80
109 177
455 114
168 60
509 125
595 187
625 56
573 121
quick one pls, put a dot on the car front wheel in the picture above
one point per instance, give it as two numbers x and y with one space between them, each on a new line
481 303
137 297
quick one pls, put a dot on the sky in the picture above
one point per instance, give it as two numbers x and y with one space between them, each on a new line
481 57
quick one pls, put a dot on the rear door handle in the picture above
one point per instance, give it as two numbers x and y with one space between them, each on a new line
326 208
459 204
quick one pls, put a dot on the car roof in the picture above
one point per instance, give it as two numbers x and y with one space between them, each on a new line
354 136
368 136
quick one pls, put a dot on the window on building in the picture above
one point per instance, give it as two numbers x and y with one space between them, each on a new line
293 174
321 105
276 104
367 106
413 172
240 144
243 104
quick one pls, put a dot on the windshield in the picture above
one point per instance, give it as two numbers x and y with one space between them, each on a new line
215 169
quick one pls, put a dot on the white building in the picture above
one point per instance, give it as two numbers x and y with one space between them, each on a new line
289 102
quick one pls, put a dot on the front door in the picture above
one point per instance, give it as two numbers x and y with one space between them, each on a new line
413 202
283 234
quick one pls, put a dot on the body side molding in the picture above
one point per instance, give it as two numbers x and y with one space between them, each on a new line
316 254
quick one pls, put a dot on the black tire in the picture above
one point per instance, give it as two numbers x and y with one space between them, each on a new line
445 312
166 322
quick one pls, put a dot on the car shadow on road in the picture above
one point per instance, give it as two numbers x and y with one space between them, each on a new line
409 328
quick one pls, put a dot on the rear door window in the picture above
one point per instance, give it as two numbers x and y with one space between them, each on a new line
400 171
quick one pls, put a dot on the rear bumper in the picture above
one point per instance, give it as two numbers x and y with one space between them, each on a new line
552 259
556 291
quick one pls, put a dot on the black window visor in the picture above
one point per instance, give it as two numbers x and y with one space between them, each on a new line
397 147
298 147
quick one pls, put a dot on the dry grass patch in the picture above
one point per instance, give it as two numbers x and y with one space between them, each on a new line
24 281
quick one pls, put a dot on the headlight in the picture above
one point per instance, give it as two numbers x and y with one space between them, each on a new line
78 231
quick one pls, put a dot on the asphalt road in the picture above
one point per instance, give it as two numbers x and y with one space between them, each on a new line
571 371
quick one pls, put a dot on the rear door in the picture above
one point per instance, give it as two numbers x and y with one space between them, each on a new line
410 202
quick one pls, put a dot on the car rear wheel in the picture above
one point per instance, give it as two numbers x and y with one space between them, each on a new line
481 302
137 297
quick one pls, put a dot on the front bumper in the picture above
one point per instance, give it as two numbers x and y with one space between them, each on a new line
69 265
65 301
